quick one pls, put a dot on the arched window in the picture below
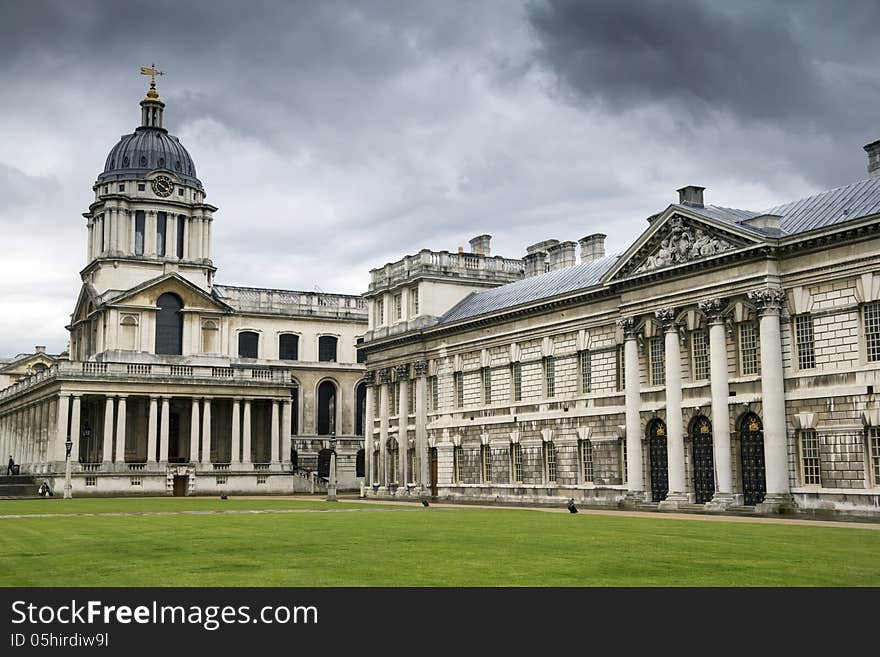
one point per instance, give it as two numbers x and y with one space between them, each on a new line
294 410
393 455
128 337
360 408
39 367
326 408
288 347
248 344
169 325
327 349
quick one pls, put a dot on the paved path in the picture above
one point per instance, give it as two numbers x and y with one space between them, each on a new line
416 507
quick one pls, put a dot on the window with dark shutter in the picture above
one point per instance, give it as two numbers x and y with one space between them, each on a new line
248 344
169 325
288 347
327 349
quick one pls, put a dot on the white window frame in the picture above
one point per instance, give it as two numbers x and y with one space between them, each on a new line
809 454
805 341
585 454
700 365
551 470
657 360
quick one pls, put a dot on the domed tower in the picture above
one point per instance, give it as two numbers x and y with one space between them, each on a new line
149 216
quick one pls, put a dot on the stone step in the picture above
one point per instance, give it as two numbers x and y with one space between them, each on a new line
17 479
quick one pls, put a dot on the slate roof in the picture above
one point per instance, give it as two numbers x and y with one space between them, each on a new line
846 203
530 289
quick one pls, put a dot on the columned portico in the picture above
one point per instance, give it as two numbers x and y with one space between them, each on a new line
634 477
675 433
724 496
402 422
769 305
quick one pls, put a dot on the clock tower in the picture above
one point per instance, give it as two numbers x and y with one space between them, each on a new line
149 217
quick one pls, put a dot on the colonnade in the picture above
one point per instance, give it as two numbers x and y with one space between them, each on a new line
112 232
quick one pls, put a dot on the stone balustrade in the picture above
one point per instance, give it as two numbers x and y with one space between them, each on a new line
465 265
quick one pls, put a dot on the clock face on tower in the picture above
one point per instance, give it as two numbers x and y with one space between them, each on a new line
162 186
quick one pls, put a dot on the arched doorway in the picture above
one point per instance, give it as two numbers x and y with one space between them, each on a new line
169 325
704 461
326 408
751 438
360 396
658 460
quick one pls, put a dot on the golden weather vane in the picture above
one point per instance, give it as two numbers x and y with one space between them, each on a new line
152 71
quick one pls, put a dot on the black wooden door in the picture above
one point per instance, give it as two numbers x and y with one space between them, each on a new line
704 466
658 461
754 482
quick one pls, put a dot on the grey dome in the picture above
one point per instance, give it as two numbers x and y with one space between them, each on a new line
145 150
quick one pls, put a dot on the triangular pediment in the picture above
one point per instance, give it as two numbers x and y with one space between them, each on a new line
147 293
86 302
676 238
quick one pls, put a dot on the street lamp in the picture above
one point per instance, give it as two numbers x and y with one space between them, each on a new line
331 485
67 490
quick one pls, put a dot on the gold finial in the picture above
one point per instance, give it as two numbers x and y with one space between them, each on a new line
152 71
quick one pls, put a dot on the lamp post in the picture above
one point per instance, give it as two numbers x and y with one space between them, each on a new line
331 485
67 489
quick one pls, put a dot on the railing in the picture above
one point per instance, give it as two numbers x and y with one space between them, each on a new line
94 368
136 467
221 467
291 302
261 466
503 270
138 368
90 467
222 372
181 370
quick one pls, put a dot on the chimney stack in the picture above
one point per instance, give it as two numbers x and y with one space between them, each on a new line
537 257
40 349
873 151
592 247
562 255
480 245
691 195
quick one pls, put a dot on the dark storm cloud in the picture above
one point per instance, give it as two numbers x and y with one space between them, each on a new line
793 65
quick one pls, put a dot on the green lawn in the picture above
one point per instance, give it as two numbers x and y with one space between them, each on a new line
420 547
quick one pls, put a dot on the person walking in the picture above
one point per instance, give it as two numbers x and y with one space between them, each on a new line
10 468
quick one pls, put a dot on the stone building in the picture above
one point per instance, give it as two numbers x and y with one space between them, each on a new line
176 384
24 365
728 358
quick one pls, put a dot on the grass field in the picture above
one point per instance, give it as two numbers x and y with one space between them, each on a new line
412 546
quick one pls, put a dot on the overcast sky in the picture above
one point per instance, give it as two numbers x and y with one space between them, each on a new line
337 136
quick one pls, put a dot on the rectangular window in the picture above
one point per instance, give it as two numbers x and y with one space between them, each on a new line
103 244
181 234
398 306
549 377
486 462
139 231
700 355
414 301
585 370
586 461
411 397
393 396
327 348
486 375
161 225
433 394
361 354
458 383
515 463
121 187
380 311
749 362
874 456
621 367
288 347
550 461
657 359
142 187
871 314
180 191
411 464
516 381
810 466
456 464
806 347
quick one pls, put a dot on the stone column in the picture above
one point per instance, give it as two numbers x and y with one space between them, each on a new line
206 430
384 382
108 429
74 428
286 414
193 237
194 431
246 433
769 304
132 228
723 497
402 425
421 372
674 430
206 245
121 417
90 249
163 430
369 381
152 423
635 484
236 431
275 432
60 450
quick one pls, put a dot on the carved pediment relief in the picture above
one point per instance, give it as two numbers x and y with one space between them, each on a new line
679 241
